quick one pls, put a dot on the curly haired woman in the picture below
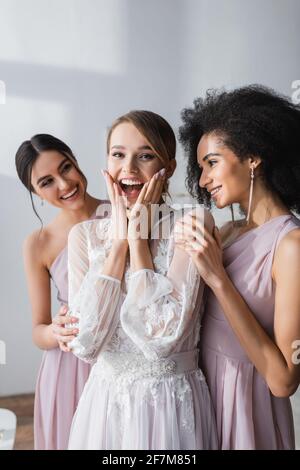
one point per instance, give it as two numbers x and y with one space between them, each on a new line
243 148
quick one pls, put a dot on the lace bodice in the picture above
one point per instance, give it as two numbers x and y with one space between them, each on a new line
153 313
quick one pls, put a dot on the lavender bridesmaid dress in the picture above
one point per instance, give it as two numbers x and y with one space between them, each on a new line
61 377
60 381
248 415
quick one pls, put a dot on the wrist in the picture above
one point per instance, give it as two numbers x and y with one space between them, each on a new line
220 284
120 245
138 243
50 335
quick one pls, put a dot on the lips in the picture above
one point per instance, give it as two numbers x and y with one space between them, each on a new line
70 194
215 191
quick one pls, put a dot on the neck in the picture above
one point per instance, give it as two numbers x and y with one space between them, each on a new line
83 213
265 206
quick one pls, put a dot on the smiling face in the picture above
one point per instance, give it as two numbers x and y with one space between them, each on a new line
56 179
131 161
224 175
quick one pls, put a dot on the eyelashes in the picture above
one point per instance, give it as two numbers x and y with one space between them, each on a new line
46 183
143 156
67 167
210 163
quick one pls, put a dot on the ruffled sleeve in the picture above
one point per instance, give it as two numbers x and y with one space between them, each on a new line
95 299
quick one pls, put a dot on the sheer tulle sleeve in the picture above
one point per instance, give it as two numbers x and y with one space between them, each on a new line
159 311
95 299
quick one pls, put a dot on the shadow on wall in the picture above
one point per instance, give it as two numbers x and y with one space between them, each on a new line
147 79
22 357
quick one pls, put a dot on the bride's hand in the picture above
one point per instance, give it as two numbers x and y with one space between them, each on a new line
139 217
118 209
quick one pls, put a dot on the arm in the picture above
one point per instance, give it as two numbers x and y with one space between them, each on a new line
272 358
38 283
46 333
94 293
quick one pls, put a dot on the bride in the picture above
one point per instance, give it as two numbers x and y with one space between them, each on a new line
138 298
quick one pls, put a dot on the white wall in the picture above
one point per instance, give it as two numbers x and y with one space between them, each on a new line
70 67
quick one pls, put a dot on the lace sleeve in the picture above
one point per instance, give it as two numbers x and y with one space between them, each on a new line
95 299
159 310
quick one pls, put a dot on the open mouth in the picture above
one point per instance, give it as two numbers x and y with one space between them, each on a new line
131 188
71 194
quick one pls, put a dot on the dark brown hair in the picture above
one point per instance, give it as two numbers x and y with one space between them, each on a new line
30 150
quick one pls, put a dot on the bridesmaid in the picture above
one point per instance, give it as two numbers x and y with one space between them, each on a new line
48 168
243 147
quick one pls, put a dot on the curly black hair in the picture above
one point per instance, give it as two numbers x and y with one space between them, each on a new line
252 121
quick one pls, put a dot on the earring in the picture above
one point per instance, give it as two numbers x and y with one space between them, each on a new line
250 195
42 202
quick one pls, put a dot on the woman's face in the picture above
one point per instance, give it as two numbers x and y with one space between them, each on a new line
56 179
131 162
224 176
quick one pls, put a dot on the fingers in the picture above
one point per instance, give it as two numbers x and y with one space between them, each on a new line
65 339
155 187
120 200
196 226
63 347
152 190
63 310
142 194
60 331
157 191
62 319
109 185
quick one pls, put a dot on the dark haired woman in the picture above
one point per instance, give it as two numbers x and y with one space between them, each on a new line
243 148
47 167
137 299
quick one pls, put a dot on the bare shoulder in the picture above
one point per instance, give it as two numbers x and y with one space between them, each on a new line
288 252
289 246
35 246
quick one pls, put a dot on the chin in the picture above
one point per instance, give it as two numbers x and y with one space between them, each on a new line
76 205
221 204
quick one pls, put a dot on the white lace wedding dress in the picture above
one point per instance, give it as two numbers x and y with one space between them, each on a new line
145 390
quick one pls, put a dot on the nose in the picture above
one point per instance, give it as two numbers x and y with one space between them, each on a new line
204 179
62 184
129 166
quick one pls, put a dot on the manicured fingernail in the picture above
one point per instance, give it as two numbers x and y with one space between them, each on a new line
162 172
157 175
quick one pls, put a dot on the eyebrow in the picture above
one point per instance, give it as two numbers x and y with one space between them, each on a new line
47 176
143 147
